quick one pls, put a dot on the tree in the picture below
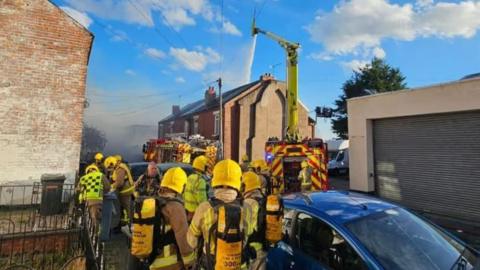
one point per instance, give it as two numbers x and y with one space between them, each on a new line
93 140
376 77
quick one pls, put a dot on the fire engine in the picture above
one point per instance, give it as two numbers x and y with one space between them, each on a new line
176 150
285 155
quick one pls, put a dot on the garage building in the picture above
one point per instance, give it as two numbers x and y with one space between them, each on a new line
420 147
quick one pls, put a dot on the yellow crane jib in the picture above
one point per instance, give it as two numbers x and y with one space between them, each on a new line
292 80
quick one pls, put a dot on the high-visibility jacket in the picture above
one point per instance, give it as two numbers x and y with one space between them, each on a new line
305 178
195 191
92 186
205 217
176 224
252 206
126 185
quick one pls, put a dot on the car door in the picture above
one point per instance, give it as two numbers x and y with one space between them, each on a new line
317 246
281 256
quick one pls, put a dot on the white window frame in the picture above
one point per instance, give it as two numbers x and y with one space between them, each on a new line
216 123
161 132
185 127
195 125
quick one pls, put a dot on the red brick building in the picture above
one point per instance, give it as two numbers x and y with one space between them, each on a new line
252 113
43 67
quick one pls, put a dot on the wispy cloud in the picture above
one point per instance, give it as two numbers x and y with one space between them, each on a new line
228 28
130 72
80 17
195 60
175 13
180 80
356 27
155 53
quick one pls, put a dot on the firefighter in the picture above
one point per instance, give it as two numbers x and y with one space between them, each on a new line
122 183
92 186
260 167
214 251
196 188
254 200
98 161
171 188
245 163
305 177
148 183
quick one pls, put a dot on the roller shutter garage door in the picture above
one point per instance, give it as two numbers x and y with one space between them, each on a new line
430 163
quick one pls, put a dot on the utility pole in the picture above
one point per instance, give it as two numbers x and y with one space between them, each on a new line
219 81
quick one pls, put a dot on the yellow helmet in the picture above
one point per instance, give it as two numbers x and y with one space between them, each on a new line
91 168
174 179
118 157
98 156
200 163
304 164
110 162
227 173
245 158
261 164
251 181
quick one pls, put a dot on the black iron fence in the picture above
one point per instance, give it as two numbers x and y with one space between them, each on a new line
42 227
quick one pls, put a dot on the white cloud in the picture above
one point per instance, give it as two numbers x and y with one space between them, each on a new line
118 35
361 25
130 72
177 18
155 53
140 13
355 64
323 56
228 28
195 60
378 52
175 13
80 17
180 80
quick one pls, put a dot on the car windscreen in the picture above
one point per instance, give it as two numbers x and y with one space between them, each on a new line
138 170
401 240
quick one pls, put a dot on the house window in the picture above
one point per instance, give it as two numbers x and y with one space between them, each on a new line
171 127
216 124
185 127
161 133
195 125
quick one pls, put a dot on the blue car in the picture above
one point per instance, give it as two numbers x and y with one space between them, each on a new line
348 230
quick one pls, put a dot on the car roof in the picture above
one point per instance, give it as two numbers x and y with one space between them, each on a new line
169 165
340 206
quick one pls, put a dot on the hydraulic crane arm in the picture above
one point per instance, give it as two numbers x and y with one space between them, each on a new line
292 79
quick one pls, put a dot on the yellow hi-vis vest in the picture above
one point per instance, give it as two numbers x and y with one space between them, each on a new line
128 186
195 192
92 186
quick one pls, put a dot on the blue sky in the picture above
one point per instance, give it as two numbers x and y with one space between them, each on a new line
150 54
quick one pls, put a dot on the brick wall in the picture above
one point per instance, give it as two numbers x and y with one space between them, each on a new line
43 66
206 124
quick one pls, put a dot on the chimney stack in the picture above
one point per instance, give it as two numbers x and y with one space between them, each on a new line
210 95
175 109
267 77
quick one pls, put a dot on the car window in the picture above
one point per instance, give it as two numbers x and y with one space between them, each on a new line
320 241
340 156
401 240
138 170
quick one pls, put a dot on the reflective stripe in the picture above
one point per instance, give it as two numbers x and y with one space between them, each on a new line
189 258
195 192
161 262
92 186
257 246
